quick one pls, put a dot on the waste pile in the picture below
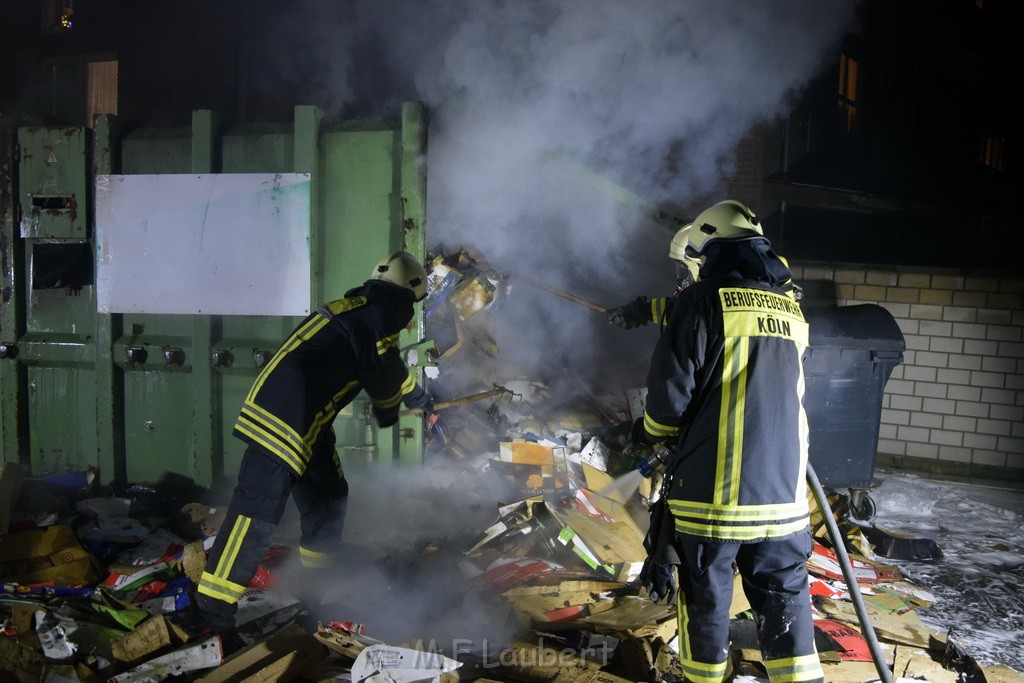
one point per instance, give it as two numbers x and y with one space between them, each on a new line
95 581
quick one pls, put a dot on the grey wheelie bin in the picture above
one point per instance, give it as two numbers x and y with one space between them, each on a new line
852 352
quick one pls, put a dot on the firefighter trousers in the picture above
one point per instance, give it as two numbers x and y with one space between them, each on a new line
256 507
775 582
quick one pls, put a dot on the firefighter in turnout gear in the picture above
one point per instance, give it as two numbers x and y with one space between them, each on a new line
642 310
342 348
725 388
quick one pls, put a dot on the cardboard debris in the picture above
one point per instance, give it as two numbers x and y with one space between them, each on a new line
905 628
537 662
613 546
281 657
846 642
389 664
25 660
195 520
149 637
52 554
564 601
533 468
918 664
195 657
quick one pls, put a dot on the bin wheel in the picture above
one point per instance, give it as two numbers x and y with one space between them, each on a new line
862 507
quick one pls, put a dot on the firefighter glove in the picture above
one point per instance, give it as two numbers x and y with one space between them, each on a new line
658 574
634 314
419 398
661 581
385 417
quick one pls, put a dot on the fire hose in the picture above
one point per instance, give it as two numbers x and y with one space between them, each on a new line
657 461
851 581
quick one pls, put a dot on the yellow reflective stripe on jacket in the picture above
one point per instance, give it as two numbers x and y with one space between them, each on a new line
409 384
794 669
312 326
730 421
750 532
278 429
778 512
658 430
390 401
326 416
272 445
274 435
387 343
657 309
342 305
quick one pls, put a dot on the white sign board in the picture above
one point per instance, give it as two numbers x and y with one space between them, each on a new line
211 244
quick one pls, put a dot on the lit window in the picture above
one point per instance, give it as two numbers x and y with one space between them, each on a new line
993 151
101 89
848 89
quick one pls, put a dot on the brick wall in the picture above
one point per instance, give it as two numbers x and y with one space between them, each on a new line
956 403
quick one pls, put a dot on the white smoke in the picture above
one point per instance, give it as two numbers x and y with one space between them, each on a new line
652 95
526 99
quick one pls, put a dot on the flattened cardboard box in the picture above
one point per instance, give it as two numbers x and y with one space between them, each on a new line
282 657
534 469
617 545
41 555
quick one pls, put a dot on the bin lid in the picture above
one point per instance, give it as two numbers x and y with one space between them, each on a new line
861 326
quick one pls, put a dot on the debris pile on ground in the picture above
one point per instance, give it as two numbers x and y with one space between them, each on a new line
98 584
94 584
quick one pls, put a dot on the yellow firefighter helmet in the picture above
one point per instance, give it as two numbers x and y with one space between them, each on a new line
730 220
677 250
402 269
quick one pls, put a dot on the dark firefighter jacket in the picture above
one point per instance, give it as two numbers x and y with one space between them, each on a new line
341 348
726 379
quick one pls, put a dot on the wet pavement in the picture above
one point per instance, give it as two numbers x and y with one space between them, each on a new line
979 581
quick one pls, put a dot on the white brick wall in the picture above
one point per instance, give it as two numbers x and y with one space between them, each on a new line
958 396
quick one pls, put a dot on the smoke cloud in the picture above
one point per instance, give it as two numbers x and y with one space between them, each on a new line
529 99
548 118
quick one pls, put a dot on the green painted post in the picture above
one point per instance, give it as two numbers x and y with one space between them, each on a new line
306 150
414 202
110 455
206 432
13 377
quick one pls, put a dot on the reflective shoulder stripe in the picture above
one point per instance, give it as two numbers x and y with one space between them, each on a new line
342 305
304 333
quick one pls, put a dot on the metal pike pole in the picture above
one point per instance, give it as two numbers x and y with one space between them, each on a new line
496 391
851 581
565 295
